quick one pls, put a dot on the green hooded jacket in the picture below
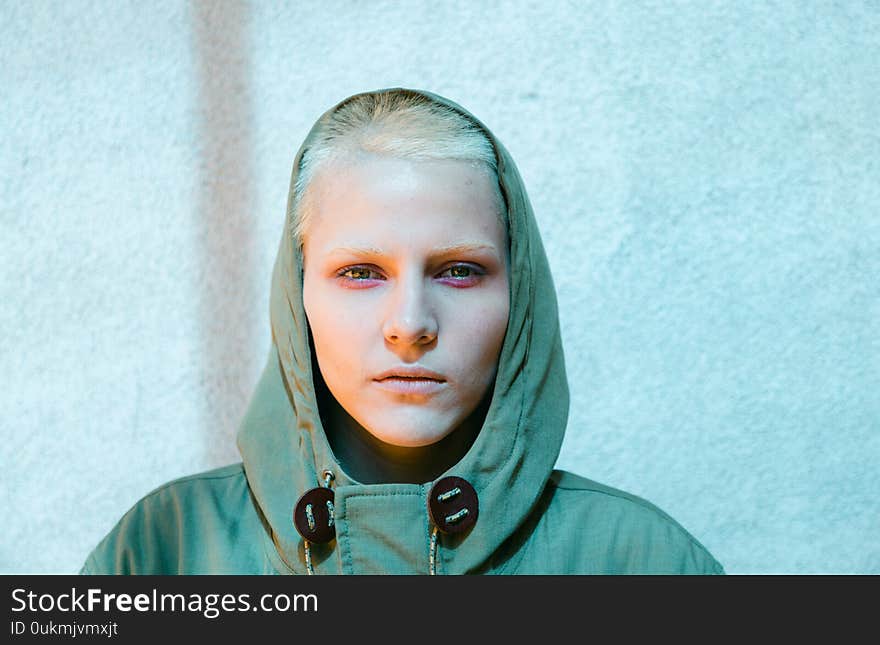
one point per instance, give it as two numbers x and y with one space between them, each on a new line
531 519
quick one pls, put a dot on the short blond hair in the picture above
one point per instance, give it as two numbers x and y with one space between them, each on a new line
397 123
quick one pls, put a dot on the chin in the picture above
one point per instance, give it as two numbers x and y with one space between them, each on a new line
410 435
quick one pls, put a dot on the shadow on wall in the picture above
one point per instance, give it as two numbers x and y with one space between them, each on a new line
225 280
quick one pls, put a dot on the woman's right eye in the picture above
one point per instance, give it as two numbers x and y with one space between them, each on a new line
358 274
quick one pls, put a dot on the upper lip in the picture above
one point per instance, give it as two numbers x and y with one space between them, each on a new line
411 371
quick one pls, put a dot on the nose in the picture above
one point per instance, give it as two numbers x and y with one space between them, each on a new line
410 318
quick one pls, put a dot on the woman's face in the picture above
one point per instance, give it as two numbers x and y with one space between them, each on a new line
406 292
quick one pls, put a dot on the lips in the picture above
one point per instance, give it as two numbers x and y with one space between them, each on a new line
410 380
410 372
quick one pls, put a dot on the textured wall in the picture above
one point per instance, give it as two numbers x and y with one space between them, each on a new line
705 175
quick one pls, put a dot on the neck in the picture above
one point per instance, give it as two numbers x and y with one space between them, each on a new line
371 461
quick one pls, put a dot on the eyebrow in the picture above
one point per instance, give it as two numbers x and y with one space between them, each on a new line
440 251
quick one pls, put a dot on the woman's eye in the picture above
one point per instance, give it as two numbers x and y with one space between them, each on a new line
461 272
359 274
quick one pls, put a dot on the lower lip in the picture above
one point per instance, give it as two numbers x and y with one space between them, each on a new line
410 386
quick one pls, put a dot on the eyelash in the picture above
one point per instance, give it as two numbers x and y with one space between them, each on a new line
465 280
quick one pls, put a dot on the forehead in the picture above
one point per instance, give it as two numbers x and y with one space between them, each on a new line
375 197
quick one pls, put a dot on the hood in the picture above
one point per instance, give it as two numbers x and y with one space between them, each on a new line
385 528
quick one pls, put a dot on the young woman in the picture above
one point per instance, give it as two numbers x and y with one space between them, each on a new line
414 400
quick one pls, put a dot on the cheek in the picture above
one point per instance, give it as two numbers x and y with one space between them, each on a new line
479 339
340 330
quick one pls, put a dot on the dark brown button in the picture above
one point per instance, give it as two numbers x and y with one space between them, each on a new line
453 505
313 515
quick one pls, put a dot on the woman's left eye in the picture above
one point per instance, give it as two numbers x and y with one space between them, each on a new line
460 272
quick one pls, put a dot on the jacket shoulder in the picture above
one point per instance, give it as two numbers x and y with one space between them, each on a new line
183 526
612 531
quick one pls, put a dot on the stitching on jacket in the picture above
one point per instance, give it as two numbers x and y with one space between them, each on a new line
347 562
